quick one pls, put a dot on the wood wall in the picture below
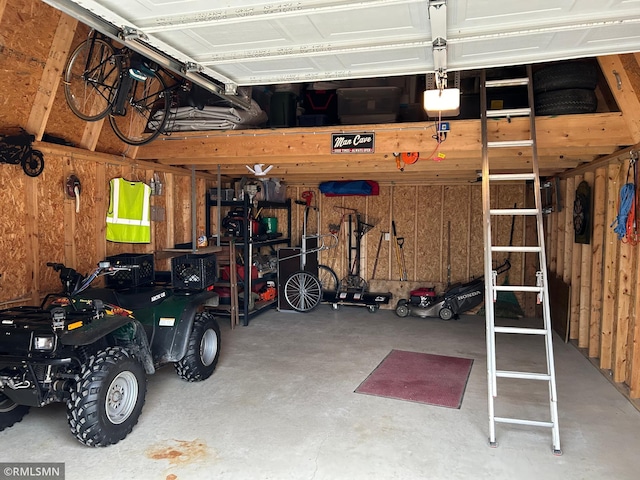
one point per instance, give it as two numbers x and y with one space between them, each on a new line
604 275
441 227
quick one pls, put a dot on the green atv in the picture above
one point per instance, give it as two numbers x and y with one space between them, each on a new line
93 347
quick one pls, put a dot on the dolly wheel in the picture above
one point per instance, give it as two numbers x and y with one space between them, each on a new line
372 308
445 313
335 306
402 310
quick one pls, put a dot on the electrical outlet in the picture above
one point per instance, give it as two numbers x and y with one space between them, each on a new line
387 236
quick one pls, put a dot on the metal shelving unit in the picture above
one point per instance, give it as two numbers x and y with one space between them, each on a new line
247 245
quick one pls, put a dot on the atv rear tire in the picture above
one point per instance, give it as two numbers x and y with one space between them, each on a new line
203 350
107 400
10 412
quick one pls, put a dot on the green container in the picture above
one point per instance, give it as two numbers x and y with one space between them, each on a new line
271 224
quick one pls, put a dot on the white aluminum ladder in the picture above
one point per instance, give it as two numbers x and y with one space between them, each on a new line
491 287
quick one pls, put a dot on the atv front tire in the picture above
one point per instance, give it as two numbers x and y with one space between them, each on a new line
107 399
203 350
10 412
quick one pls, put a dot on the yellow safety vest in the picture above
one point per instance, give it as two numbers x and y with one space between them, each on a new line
129 211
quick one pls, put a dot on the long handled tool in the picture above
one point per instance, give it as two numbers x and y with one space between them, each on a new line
399 242
375 264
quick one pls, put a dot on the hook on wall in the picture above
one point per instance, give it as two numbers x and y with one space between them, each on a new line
73 187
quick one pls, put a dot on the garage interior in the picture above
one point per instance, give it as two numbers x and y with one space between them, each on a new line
281 403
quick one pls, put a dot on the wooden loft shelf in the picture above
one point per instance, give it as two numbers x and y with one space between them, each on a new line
174 252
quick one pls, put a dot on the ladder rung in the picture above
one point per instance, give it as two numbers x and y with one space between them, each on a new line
523 330
513 211
516 248
523 375
507 82
510 144
509 112
519 421
517 288
506 177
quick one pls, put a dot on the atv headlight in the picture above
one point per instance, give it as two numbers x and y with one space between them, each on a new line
44 343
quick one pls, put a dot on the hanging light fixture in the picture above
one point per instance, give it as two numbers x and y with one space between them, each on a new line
440 101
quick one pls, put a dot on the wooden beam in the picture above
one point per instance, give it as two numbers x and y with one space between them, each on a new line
50 79
3 5
576 282
610 280
585 284
85 155
562 216
32 230
569 131
569 197
91 135
623 76
623 313
634 378
597 247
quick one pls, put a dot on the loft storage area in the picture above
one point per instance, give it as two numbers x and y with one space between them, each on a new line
578 86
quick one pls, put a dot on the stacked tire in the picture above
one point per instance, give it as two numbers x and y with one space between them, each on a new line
565 88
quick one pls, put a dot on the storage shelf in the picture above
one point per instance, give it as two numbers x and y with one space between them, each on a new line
246 245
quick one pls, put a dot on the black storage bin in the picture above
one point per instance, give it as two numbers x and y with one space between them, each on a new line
193 271
142 274
321 102
282 111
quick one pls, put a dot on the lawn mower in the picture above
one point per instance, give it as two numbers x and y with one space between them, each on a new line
459 298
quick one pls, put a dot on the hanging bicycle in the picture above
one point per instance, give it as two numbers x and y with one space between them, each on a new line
101 79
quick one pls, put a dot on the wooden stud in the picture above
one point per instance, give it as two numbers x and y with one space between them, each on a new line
585 285
69 222
50 80
569 195
576 281
101 197
634 377
597 247
623 312
610 261
621 72
562 225
552 248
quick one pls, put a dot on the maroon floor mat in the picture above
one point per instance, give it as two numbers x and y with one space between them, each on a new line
419 377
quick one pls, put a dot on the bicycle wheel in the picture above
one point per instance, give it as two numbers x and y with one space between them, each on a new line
33 164
302 291
328 278
91 78
146 98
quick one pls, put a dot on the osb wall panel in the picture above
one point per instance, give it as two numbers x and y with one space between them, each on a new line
455 210
428 233
476 233
379 209
182 209
27 29
62 122
52 230
85 228
404 215
13 269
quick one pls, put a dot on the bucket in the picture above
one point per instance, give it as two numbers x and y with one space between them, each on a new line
271 224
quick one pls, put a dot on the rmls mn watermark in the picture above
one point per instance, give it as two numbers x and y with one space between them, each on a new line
31 470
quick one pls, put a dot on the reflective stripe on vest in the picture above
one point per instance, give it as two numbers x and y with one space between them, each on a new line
129 210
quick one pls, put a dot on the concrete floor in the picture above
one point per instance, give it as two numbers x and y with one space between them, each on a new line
281 406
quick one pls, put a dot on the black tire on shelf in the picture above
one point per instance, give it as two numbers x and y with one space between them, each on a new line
560 76
148 103
107 399
203 349
90 84
564 102
402 310
10 412
445 313
34 165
